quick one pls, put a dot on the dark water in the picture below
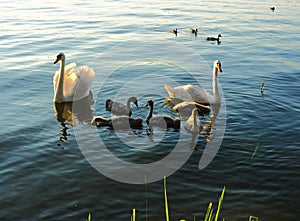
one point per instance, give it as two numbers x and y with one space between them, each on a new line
43 172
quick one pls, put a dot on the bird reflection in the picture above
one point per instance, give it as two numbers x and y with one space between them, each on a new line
210 127
73 113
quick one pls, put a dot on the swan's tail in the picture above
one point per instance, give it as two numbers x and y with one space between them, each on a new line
170 90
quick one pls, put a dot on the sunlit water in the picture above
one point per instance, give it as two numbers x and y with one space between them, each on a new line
43 173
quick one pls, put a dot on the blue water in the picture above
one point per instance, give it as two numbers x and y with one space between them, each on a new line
43 172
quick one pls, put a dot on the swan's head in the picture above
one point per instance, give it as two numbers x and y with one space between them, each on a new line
150 103
60 56
108 104
219 35
134 100
217 64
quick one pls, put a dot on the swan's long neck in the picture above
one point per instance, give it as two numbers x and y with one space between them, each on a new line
149 116
215 85
194 118
59 94
128 104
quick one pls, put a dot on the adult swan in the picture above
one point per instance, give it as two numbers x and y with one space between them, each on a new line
66 81
195 93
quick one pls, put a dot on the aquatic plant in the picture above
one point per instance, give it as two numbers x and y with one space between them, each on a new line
209 216
209 213
89 217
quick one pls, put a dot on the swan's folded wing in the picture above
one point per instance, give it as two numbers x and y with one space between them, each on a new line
184 92
198 94
69 69
85 77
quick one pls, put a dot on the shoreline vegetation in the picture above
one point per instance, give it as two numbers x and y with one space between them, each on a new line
210 215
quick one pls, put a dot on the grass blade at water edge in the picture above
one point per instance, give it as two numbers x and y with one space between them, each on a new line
166 199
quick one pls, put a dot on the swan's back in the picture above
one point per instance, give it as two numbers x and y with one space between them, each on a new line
188 92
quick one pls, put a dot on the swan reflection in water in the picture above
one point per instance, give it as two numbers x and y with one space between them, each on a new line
73 113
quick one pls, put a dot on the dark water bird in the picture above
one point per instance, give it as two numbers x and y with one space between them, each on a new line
174 31
70 85
272 8
213 38
185 108
194 31
118 122
193 124
118 108
160 121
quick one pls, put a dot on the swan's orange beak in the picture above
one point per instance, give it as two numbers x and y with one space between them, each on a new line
58 58
219 67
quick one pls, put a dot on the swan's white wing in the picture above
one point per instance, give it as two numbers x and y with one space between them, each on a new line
189 92
69 69
198 94
84 78
70 81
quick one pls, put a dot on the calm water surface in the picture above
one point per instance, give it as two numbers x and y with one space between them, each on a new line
43 174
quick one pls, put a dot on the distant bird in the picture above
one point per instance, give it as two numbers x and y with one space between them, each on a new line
160 121
272 9
118 108
262 87
213 38
195 93
194 31
174 31
118 122
185 108
70 85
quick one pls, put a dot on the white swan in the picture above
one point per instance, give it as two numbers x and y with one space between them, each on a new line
118 108
66 81
193 124
195 93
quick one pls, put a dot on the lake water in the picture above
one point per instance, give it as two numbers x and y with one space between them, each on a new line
45 173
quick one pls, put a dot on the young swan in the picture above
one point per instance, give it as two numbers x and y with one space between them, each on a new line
193 124
118 108
160 121
118 122
185 108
